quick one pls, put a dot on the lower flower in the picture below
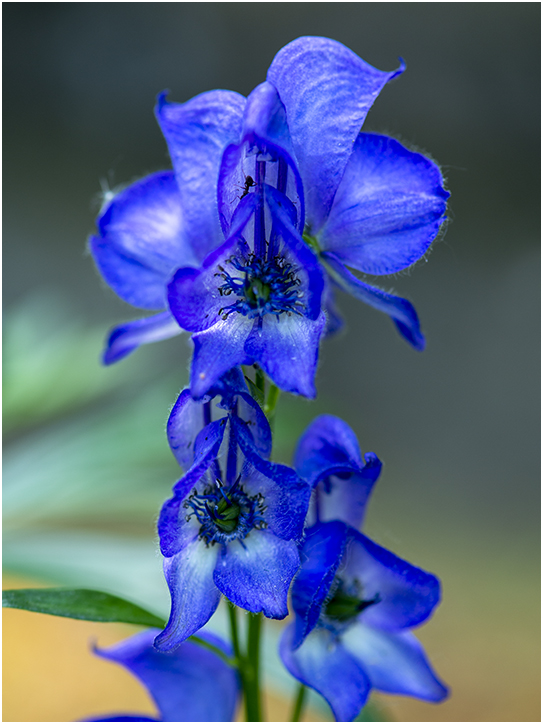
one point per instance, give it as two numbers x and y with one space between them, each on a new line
231 528
355 603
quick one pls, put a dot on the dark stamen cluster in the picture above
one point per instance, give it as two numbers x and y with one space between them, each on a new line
225 515
264 286
346 603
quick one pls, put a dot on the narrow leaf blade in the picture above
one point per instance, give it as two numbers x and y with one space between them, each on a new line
80 603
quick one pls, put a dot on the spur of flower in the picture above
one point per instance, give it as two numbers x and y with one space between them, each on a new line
232 526
190 684
328 457
251 177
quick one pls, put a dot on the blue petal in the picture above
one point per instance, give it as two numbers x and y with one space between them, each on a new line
327 91
142 240
344 495
401 311
286 495
174 531
334 320
216 350
194 294
256 573
329 669
127 337
327 442
328 451
305 261
197 132
321 556
406 595
184 423
265 134
394 662
191 684
195 598
287 348
388 208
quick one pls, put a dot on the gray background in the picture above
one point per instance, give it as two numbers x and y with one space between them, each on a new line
458 425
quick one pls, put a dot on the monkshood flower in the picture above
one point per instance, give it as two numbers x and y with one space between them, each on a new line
328 457
232 526
190 684
355 604
362 201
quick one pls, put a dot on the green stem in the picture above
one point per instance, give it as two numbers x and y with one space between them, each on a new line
299 703
260 379
273 397
210 647
252 693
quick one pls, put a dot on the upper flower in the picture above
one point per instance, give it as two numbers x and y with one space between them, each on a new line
191 684
234 521
251 177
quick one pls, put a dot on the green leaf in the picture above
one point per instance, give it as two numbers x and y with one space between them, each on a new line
79 603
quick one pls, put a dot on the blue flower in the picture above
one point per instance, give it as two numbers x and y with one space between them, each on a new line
192 684
354 602
234 521
251 176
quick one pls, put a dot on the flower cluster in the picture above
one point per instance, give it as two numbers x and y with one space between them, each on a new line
275 201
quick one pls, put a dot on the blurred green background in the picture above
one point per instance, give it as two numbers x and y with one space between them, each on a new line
86 463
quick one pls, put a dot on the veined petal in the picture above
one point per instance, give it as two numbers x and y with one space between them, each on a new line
308 267
328 668
192 684
189 576
406 595
394 662
285 493
327 91
400 310
287 348
388 208
255 573
197 132
194 295
127 337
265 136
142 240
321 556
216 350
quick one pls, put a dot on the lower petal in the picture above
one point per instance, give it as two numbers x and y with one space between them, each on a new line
327 667
189 576
256 573
125 338
401 311
217 350
287 348
395 662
